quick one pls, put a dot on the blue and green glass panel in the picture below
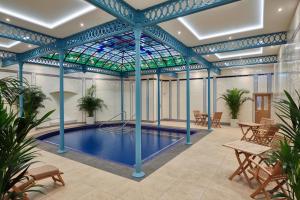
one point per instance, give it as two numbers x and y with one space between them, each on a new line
117 53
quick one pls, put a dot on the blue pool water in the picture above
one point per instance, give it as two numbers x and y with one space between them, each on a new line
115 144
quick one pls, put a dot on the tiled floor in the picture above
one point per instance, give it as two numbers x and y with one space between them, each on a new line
199 173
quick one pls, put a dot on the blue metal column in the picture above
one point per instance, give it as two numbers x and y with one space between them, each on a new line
138 173
215 94
188 106
21 97
208 101
122 99
204 95
158 99
178 99
61 104
147 99
170 99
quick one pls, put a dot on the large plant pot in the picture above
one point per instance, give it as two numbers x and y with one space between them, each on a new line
234 123
90 120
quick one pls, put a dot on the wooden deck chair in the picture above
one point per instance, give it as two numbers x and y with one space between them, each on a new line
46 171
216 120
265 176
197 115
265 137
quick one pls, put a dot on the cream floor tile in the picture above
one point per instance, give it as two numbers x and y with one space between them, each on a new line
199 173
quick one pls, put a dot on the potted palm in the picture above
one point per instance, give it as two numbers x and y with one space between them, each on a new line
17 149
33 100
234 99
288 111
90 104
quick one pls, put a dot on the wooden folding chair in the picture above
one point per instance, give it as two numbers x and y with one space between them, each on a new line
197 115
267 175
216 120
266 123
265 137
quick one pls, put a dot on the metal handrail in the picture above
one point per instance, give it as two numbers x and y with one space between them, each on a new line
127 121
101 124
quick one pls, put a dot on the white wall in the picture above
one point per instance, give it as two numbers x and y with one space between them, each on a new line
229 79
109 89
244 82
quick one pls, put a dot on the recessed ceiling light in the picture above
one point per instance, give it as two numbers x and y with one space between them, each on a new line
179 32
241 53
230 38
81 24
50 25
7 19
258 25
279 9
11 44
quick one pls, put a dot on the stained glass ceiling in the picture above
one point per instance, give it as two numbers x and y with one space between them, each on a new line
117 53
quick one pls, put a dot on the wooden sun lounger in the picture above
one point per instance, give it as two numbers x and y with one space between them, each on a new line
46 171
23 186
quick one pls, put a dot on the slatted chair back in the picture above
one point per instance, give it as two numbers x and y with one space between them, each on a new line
197 116
216 120
196 113
265 137
266 122
275 143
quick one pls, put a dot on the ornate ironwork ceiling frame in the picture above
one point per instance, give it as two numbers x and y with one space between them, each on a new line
127 18
247 61
264 40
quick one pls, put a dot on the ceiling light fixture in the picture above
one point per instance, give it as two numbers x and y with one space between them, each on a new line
179 32
279 9
49 25
81 24
239 54
230 38
7 19
9 45
258 25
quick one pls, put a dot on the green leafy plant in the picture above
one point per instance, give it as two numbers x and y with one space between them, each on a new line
10 89
33 100
288 111
90 103
234 99
17 150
